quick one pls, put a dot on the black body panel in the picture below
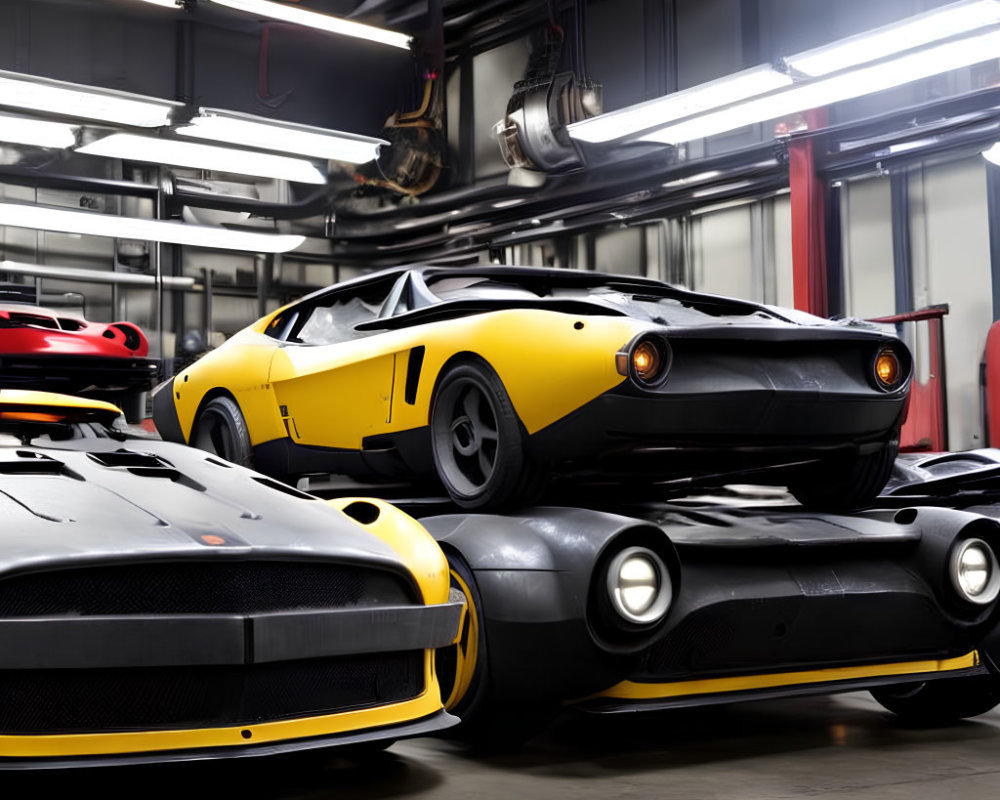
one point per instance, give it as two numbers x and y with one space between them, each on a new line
765 591
92 376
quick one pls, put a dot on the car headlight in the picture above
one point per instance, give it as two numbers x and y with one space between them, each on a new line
974 572
639 586
888 370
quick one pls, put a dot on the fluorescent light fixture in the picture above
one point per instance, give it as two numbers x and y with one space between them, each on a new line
131 147
940 23
84 102
993 154
93 275
877 77
165 3
37 132
671 107
287 137
90 223
323 22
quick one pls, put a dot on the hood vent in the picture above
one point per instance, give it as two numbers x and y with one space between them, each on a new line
143 464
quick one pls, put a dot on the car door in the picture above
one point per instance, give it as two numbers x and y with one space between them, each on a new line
333 383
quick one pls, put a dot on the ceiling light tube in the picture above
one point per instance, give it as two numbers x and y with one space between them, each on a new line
917 31
250 131
678 105
90 223
130 147
36 132
842 86
322 22
83 102
165 3
83 275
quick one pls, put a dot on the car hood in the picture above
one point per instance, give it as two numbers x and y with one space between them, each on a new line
100 500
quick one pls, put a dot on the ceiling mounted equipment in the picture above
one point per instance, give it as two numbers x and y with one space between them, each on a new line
669 108
36 132
154 150
846 85
89 223
322 22
33 93
936 25
247 130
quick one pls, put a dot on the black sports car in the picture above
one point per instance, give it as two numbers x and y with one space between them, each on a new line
157 603
680 605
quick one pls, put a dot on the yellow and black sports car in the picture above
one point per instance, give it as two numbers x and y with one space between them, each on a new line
157 603
493 377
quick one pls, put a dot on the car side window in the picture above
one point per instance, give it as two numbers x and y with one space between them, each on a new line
334 317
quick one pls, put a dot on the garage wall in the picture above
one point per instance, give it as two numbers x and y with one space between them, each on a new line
866 228
951 260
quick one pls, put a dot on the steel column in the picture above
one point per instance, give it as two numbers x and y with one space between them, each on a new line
808 197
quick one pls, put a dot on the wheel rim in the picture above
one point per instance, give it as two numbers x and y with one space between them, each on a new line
466 436
466 650
215 435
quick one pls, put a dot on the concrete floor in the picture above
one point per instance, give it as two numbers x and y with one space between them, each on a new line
845 748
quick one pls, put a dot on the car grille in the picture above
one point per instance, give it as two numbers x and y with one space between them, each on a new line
65 701
199 588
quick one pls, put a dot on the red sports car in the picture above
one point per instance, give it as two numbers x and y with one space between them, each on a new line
53 351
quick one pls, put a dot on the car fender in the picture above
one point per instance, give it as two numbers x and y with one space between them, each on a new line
534 572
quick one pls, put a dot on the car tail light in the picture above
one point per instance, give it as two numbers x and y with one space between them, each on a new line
888 370
646 361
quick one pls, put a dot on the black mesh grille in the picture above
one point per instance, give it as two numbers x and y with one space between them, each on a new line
198 588
57 701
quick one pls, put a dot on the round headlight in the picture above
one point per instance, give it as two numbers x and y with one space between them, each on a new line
649 360
888 369
974 572
639 586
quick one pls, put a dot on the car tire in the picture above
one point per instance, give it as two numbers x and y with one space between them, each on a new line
463 668
942 701
220 429
842 485
477 439
488 724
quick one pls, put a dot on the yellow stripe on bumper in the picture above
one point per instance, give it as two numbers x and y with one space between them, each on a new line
97 744
628 690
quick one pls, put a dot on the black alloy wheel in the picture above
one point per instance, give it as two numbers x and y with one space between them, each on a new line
476 438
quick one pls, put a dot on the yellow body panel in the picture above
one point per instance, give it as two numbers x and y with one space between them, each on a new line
336 395
412 543
627 690
93 744
52 401
240 367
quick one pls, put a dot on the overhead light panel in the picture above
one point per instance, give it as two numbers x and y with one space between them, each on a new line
876 77
36 132
91 223
131 147
165 3
923 29
322 22
247 130
84 102
678 105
